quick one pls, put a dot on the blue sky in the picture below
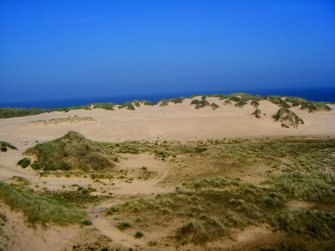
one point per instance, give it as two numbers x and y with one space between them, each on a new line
72 49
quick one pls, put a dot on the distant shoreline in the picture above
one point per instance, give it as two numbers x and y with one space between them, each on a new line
321 94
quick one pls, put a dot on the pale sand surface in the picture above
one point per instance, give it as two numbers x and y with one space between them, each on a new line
175 121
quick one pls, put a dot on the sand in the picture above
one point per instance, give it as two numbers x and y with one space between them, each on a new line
174 121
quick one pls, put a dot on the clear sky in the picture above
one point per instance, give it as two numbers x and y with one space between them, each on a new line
71 49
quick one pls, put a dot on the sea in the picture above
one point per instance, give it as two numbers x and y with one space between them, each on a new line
314 94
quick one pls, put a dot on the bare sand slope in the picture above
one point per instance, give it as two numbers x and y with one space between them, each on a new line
174 121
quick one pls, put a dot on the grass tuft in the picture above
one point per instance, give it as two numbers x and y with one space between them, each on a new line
39 209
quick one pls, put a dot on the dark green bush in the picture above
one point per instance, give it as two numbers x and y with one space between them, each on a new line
5 145
123 225
138 234
25 162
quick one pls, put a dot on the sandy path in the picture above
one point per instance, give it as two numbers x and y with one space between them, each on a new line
106 225
150 186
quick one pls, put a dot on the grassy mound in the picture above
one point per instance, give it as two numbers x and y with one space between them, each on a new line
73 151
39 209
287 118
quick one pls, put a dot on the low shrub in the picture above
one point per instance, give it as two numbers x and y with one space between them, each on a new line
138 234
25 162
5 145
123 225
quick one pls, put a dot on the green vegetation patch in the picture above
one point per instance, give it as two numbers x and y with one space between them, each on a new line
165 102
128 105
287 118
200 231
309 223
241 103
211 212
214 106
200 103
19 112
315 186
39 209
105 106
161 150
80 197
73 151
310 106
123 225
210 208
25 162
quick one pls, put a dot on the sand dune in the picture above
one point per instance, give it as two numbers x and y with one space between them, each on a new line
174 121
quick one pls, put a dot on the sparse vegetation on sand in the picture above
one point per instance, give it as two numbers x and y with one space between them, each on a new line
255 103
80 197
227 102
105 106
39 209
128 105
214 106
123 225
257 113
73 151
200 103
165 102
241 103
162 150
208 209
138 103
4 146
287 118
240 100
307 105
56 121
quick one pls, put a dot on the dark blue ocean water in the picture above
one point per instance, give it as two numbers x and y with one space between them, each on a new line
315 94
